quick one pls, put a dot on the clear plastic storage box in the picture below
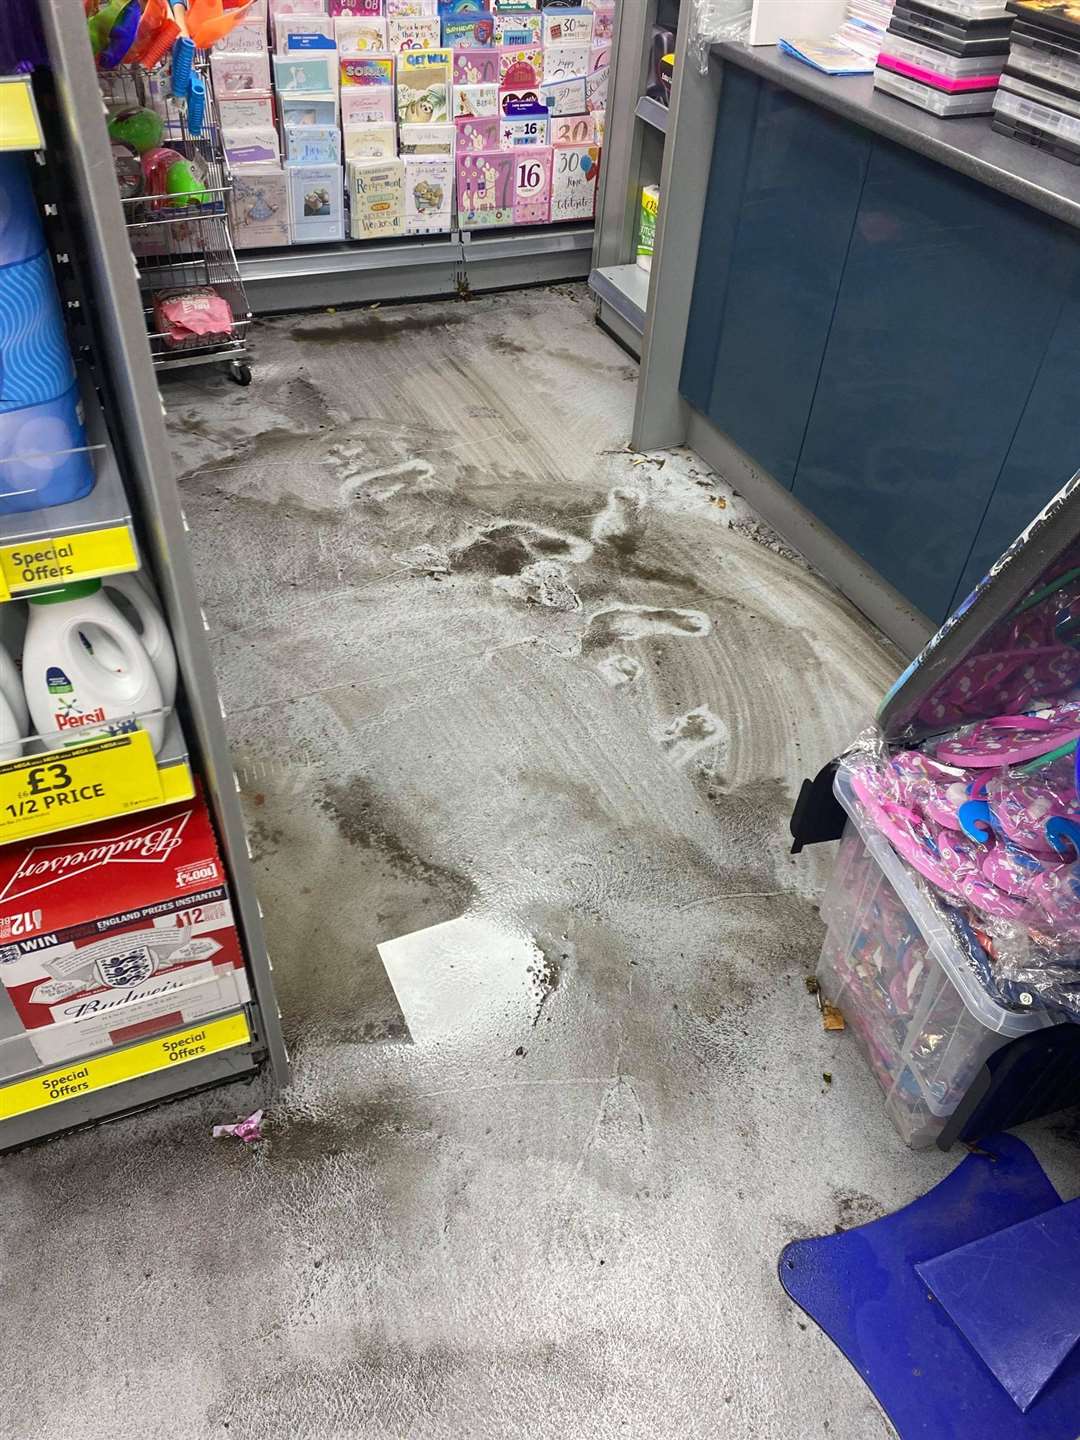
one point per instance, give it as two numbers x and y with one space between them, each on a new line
911 998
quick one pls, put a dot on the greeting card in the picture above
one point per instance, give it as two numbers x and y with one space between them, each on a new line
423 86
475 100
532 186
485 189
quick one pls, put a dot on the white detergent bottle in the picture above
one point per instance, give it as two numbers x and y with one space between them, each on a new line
11 688
151 629
14 716
84 666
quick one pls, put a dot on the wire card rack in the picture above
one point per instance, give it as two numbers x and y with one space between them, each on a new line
182 241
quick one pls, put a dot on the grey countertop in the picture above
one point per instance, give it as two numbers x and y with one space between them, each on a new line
967 145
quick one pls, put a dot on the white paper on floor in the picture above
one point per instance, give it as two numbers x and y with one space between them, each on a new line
475 976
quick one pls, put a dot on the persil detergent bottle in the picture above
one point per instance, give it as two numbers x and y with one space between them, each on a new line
151 630
14 716
85 671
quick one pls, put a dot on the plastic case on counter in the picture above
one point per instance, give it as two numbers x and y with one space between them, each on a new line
892 966
1037 139
970 9
1042 93
1050 44
963 27
937 102
938 39
1054 122
1058 68
926 57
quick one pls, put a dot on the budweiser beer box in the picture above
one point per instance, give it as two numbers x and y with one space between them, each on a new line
118 931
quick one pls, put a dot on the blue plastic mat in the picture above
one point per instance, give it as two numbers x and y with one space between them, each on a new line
863 1290
1015 1295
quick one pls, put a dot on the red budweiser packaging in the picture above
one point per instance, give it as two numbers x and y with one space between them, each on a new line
118 931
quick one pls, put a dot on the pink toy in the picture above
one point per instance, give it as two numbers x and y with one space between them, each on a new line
1006 740
1014 871
942 865
925 784
1027 658
1021 805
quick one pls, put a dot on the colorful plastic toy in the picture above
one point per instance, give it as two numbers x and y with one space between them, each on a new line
113 30
157 33
172 178
140 129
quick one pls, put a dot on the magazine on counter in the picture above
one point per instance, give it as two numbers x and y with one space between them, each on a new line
827 56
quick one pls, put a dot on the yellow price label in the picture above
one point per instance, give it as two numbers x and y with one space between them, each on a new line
91 781
20 128
80 1077
39 564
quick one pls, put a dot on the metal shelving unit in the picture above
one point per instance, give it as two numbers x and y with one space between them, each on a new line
624 290
241 1041
653 113
83 540
188 247
661 416
415 268
633 157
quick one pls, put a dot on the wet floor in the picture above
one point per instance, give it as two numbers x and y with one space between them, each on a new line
519 717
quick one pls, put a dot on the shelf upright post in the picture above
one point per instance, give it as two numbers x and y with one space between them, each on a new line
660 414
618 203
137 416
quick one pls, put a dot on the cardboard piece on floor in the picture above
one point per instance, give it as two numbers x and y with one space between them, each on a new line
1016 1296
473 976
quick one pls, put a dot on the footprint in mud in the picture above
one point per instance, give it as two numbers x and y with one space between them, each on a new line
618 623
618 670
543 583
384 481
689 734
620 526
511 546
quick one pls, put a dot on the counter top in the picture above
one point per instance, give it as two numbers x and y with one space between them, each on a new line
966 145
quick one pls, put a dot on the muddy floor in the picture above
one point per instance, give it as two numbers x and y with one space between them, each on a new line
483 665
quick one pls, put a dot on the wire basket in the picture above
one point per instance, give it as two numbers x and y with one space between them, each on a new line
184 246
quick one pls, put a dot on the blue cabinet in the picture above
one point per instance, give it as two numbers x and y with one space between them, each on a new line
935 344
1045 450
785 184
889 339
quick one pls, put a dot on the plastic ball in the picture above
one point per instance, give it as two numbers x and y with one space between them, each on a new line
184 186
140 128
